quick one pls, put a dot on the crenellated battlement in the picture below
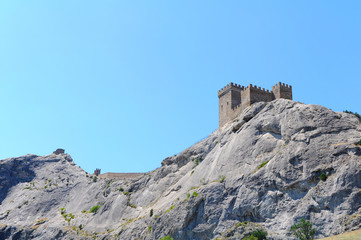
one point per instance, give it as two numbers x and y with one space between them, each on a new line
281 90
234 98
229 87
283 85
259 89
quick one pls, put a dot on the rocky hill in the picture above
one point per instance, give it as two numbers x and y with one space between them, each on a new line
276 163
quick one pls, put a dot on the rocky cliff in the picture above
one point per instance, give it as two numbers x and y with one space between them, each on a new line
276 163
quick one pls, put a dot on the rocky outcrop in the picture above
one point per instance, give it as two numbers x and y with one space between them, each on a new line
276 163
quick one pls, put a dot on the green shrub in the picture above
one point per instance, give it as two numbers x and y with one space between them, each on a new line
149 229
62 211
262 164
197 161
167 238
95 179
151 212
358 143
323 176
195 194
303 230
94 209
260 234
222 179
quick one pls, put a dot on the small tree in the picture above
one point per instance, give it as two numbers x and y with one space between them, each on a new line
303 230
260 234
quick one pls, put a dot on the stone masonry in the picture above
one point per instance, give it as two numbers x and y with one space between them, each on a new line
234 98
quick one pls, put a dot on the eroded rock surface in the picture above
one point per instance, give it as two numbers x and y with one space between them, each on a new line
276 163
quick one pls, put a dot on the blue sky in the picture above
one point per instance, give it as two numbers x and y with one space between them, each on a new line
120 85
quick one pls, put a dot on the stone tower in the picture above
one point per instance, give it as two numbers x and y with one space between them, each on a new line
233 98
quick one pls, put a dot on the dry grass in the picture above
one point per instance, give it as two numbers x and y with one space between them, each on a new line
354 235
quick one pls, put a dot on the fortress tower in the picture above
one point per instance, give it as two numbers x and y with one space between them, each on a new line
233 98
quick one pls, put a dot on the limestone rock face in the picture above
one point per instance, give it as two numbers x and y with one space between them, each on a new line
276 163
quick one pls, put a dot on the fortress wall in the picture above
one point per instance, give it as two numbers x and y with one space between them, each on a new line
236 111
120 175
229 97
224 108
281 90
228 87
252 94
260 95
233 98
246 97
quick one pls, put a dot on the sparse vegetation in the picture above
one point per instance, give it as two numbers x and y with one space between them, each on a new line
303 230
132 206
62 211
323 176
262 164
127 194
260 234
195 194
149 229
358 143
222 178
170 208
354 113
151 212
167 238
198 160
94 209
67 217
237 225
251 237
95 179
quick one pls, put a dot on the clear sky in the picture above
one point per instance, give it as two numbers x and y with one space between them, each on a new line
120 85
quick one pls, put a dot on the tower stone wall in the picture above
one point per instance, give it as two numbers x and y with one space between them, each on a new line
234 98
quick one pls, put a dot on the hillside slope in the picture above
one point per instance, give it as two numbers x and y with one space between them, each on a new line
263 170
353 235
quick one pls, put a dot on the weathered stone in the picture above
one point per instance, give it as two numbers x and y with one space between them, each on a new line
261 171
59 151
